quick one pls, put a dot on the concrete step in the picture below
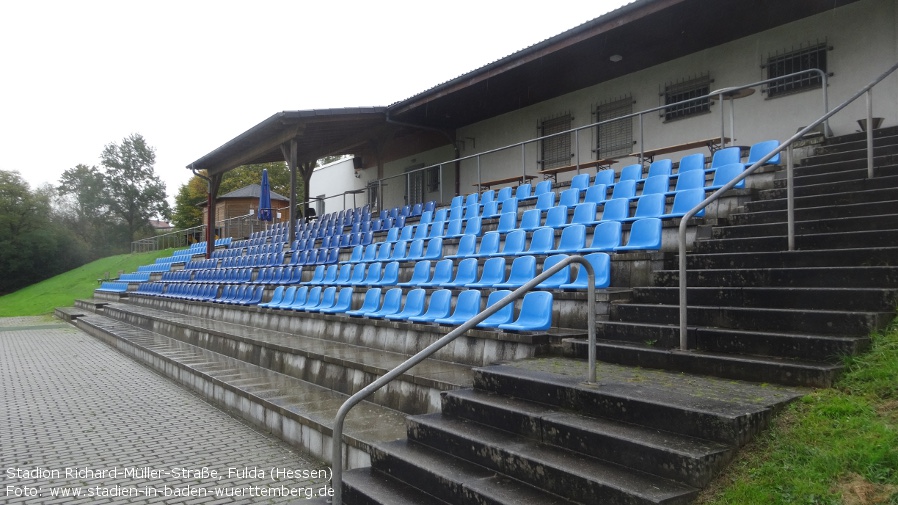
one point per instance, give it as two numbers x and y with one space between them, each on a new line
806 242
862 299
759 369
842 171
434 473
805 346
696 406
574 476
882 256
858 140
365 486
338 366
296 411
824 322
851 152
887 195
825 277
829 188
667 455
887 222
827 211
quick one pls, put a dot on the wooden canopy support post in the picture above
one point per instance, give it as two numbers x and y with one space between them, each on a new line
214 183
289 150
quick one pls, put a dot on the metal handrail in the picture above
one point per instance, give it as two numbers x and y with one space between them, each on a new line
337 433
790 197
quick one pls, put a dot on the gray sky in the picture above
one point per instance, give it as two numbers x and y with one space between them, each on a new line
189 75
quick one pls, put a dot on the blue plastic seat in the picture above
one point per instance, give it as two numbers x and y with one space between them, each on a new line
392 235
420 274
467 246
369 304
465 273
407 232
630 173
430 205
297 297
601 265
457 201
372 276
595 194
391 304
648 206
556 217
489 244
472 199
343 275
318 275
523 269
616 210
760 150
490 209
437 229
684 201
584 214
503 315
426 217
386 250
624 189
358 274
441 214
370 253
503 193
492 273
442 273
421 231
694 179
415 251
570 197
727 173
472 210
276 297
487 197
434 249
726 156
605 237
542 187
328 299
454 228
467 305
545 201
535 315
541 241
509 205
295 275
342 304
656 184
531 220
514 243
456 213
417 209
573 239
507 222
560 277
390 275
645 235
691 162
523 191
473 226
580 182
660 167
414 306
604 178
437 307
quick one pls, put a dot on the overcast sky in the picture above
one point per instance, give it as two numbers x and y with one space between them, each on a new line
189 75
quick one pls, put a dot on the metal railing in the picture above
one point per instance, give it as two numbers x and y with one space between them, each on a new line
790 188
720 94
337 433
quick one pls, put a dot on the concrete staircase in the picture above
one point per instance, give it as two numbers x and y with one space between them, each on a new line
759 312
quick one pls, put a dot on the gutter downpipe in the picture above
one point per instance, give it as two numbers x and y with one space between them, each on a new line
210 241
748 171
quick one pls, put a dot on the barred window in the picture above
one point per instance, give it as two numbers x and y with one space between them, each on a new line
685 90
555 151
614 138
803 58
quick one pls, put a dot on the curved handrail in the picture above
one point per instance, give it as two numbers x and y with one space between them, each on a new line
337 433
789 196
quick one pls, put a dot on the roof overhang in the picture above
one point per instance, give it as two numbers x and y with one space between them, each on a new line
318 133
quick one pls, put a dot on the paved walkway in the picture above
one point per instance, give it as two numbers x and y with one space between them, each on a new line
76 416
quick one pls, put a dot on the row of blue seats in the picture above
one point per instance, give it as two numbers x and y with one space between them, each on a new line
113 287
445 273
135 277
535 313
257 260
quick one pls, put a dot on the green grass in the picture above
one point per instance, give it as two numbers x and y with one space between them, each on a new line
62 290
834 446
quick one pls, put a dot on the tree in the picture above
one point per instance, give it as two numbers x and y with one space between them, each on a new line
187 212
83 202
135 193
240 177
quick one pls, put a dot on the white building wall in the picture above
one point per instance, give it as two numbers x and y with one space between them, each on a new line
336 178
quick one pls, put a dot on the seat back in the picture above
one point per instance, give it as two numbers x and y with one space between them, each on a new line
760 150
420 274
726 156
369 304
570 197
560 277
536 313
604 177
580 182
504 193
556 217
434 249
487 196
439 304
545 200
691 162
515 241
493 272
472 210
601 266
490 209
507 222
585 213
690 180
503 315
471 199
531 220
421 231
390 274
467 305
656 184
573 238
465 273
542 240
415 250
686 200
467 246
523 269
372 276
616 210
523 191
660 167
650 205
453 229
509 205
631 173
624 189
391 304
645 235
489 243
473 226
726 174
442 272
543 187
358 274
414 304
595 193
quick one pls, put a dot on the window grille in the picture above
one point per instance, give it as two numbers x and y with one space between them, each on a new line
615 138
415 184
555 151
684 90
796 60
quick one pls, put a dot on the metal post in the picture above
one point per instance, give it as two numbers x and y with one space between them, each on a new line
641 141
523 165
722 132
479 178
577 147
440 175
790 198
870 133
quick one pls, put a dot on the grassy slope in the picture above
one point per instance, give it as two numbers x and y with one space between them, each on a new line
62 290
835 446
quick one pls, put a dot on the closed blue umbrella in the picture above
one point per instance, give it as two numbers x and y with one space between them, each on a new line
265 198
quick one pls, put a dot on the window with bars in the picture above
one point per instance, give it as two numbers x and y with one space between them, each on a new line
685 90
803 58
555 151
614 138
